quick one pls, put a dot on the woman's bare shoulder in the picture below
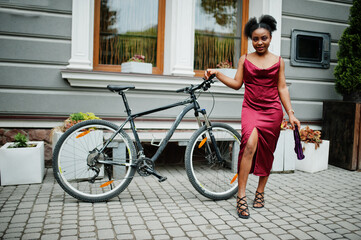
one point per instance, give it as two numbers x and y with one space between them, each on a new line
274 56
241 60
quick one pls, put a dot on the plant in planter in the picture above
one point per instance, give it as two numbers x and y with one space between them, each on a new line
225 67
225 64
22 162
284 123
21 141
315 149
137 58
73 119
137 64
348 69
309 135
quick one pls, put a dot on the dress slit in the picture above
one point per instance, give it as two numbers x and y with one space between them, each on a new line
242 148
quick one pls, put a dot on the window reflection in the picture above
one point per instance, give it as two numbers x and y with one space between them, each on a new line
217 32
128 28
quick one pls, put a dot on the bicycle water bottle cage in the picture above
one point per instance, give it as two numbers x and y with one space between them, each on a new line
154 141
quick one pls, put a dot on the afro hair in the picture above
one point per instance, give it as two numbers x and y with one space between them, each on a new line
265 21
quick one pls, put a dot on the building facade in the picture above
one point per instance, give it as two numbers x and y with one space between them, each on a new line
50 67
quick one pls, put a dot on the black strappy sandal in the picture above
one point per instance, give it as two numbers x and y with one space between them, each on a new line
241 202
259 200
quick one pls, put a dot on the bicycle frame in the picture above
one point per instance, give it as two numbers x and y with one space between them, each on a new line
191 104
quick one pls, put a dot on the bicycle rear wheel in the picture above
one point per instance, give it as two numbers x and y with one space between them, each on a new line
88 174
209 176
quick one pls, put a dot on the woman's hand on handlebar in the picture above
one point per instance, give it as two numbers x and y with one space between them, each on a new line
210 72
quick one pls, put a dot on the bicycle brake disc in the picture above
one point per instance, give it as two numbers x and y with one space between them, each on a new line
143 165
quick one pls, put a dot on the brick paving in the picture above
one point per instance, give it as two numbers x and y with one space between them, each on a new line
323 205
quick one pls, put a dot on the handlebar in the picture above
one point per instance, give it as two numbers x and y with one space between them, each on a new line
204 85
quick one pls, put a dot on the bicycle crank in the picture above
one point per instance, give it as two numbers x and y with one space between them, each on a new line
145 167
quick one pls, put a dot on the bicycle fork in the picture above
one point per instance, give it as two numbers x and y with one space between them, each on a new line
210 132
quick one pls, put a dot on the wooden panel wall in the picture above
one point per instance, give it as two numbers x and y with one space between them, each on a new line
311 86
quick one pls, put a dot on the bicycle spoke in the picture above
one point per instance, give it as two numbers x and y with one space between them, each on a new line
88 174
210 175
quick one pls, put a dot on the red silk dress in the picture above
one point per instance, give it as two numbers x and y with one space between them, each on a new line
262 110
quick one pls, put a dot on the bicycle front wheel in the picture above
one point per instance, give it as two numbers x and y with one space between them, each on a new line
211 175
87 173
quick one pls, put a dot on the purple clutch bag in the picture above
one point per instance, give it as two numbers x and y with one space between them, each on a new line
298 146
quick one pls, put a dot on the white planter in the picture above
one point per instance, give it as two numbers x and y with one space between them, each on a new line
136 67
229 72
285 157
55 139
22 165
315 159
279 154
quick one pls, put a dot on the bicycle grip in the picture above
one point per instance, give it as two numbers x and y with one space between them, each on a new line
211 77
181 90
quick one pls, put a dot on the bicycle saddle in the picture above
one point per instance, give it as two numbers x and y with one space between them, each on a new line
119 88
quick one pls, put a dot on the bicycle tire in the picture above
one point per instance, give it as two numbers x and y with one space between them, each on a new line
206 174
73 157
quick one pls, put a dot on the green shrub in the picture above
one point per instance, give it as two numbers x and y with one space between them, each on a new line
348 69
75 118
20 141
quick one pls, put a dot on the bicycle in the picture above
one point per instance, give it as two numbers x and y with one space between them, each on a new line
95 160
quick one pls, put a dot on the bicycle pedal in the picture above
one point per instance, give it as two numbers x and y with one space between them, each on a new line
162 179
154 173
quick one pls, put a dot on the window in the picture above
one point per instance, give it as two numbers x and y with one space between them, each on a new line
124 28
310 49
218 32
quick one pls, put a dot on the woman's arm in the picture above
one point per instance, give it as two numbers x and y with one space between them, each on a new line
285 96
235 83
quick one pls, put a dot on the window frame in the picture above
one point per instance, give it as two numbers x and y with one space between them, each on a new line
158 69
244 39
325 50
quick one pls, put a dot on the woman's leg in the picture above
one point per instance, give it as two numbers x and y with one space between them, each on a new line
246 162
259 196
262 183
244 169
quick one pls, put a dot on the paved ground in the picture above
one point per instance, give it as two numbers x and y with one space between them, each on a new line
324 205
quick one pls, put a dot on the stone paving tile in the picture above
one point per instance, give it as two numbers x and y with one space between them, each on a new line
298 206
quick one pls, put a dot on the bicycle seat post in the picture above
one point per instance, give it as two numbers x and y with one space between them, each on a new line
132 125
125 101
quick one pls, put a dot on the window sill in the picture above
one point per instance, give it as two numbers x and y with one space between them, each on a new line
97 79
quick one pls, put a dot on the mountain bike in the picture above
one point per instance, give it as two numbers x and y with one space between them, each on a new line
95 160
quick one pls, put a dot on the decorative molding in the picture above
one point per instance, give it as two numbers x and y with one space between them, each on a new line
79 78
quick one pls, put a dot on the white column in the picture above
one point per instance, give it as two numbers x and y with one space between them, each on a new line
179 37
82 35
273 8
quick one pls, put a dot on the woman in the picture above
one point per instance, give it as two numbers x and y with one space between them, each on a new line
265 85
